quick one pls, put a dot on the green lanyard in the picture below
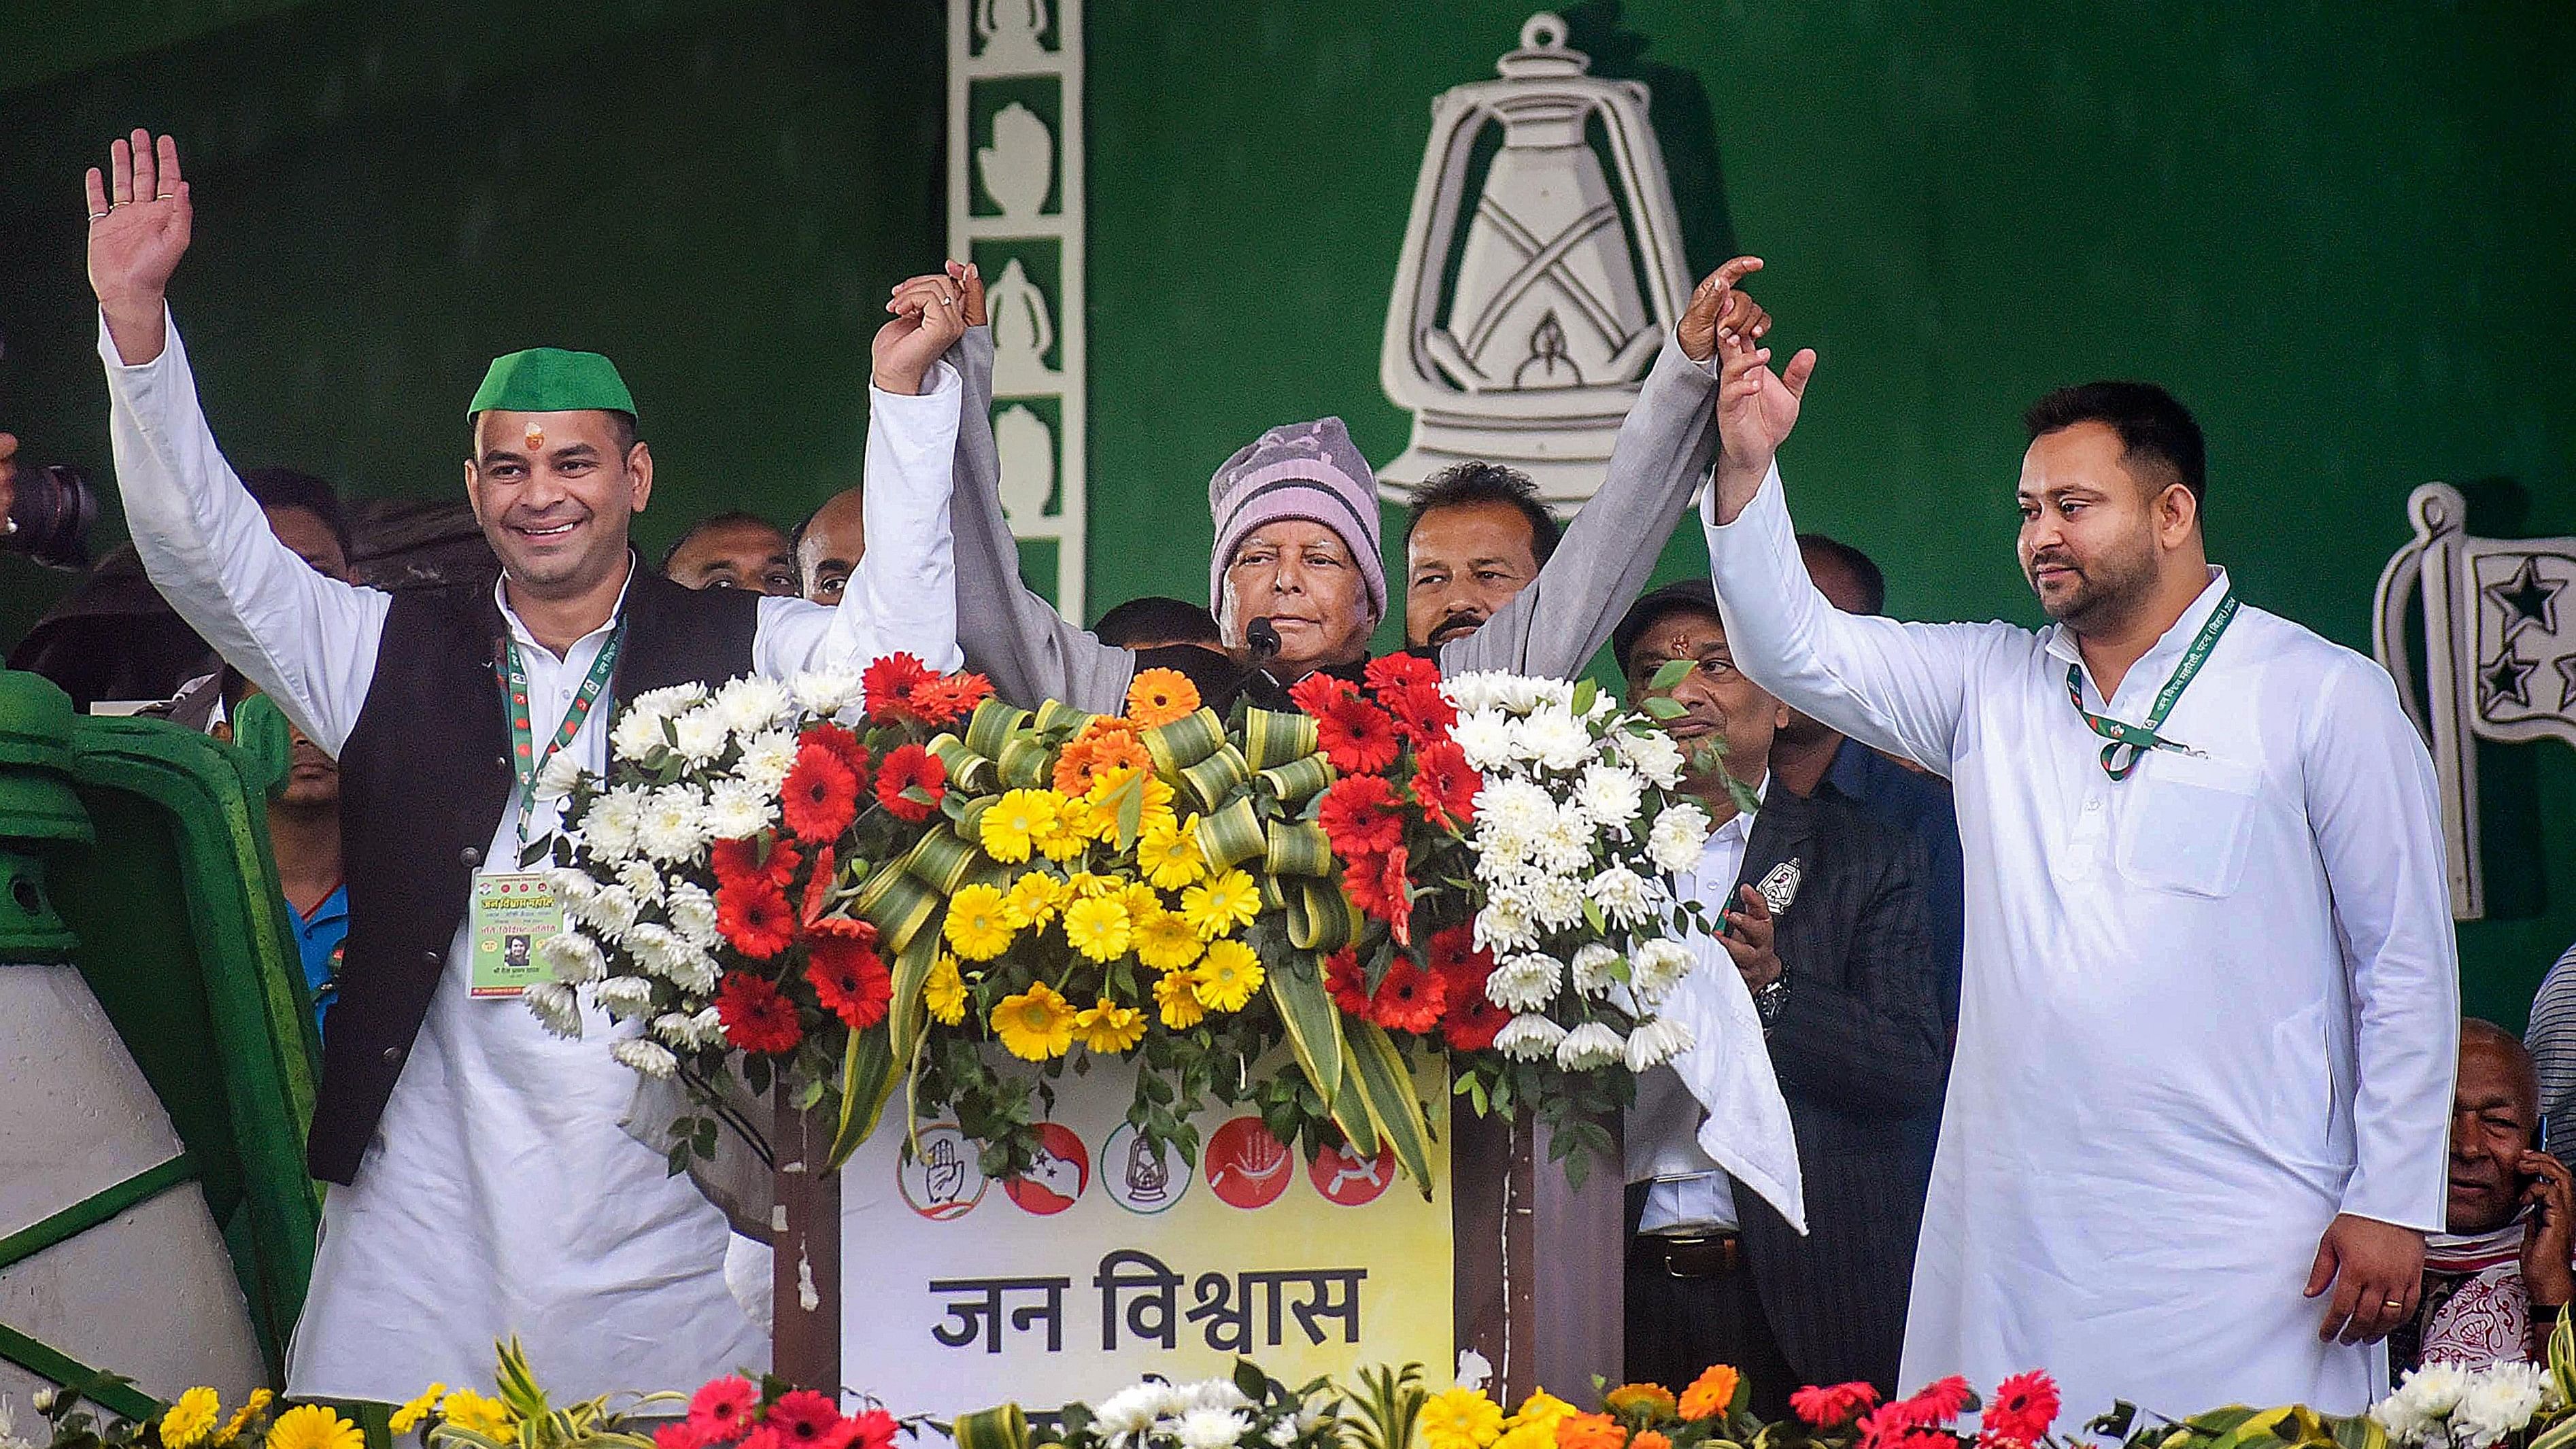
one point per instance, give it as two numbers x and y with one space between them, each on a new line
2138 739
523 746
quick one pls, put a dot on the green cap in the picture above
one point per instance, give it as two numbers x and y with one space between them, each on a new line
551 380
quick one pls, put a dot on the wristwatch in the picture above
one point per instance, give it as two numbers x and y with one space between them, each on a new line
1768 1001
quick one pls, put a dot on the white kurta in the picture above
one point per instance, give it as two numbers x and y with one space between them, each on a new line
2205 1009
500 1195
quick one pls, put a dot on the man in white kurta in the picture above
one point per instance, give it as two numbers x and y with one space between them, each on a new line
2209 1009
500 1195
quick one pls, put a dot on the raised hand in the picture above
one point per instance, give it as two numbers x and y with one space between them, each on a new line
928 316
1756 408
139 221
2549 1233
970 281
1717 309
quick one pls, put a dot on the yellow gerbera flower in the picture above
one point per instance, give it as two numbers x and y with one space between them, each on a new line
1460 1419
311 1426
1166 942
256 1405
978 925
1170 856
1036 1025
1065 841
408 1417
1034 899
1217 908
186 1423
1099 928
943 992
1176 995
1652 1400
1110 1027
1142 901
1541 1410
1229 975
1012 822
1087 886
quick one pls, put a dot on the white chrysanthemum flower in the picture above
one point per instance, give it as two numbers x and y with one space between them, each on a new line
2500 1400
1594 968
670 701
1656 967
1564 846
556 1008
1656 1042
675 825
766 759
640 878
1626 897
555 779
825 692
645 1056
1282 1434
1531 1038
751 704
738 809
1523 983
1134 1409
1485 738
1469 692
709 1026
1679 835
1651 753
573 888
638 736
611 912
701 734
624 996
1209 1429
655 946
2417 1412
1556 901
1504 924
611 822
1611 794
574 958
693 914
1553 738
1213 1394
676 1029
1593 1044
1510 813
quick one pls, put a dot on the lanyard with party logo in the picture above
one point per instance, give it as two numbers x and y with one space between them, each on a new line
511 913
2136 740
514 687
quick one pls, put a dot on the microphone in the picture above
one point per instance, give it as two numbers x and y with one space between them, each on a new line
1261 640
1263 636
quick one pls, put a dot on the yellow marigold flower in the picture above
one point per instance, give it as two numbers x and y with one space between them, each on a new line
1170 855
1160 696
1110 1027
1011 823
1098 928
1034 899
1176 996
1652 1400
186 1423
978 926
1036 1025
1710 1393
1217 908
943 992
1166 942
1459 1419
256 1405
1229 975
408 1417
311 1426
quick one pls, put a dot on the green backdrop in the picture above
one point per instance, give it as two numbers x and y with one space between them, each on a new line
2342 233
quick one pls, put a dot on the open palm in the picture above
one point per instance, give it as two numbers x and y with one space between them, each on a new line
1756 407
139 219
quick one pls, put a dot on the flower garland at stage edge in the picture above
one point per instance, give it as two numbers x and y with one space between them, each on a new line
840 884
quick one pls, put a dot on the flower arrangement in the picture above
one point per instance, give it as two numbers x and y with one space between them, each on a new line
1250 1410
197 1419
1546 822
2463 1408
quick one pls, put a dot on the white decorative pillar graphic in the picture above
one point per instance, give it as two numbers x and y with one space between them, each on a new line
1015 207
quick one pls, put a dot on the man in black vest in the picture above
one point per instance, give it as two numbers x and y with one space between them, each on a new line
486 1187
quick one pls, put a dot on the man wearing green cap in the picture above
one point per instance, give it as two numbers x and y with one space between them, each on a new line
486 1187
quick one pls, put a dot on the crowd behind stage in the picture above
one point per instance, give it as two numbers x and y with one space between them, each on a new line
1988 869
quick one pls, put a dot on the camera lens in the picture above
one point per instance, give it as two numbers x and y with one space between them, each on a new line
53 511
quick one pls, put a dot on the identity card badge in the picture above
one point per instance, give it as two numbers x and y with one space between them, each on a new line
513 912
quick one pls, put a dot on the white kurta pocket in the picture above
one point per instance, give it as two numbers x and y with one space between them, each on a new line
2186 823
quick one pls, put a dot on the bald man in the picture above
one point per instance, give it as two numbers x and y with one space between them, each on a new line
733 551
829 544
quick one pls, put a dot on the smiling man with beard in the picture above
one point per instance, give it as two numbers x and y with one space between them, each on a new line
2210 1004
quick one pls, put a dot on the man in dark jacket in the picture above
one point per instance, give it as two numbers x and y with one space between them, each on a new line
1825 927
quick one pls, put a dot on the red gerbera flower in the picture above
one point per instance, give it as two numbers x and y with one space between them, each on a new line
1833 1407
1424 714
952 697
818 889
1360 816
722 1410
846 928
2023 1409
1318 690
1357 736
850 980
1407 998
1469 1021
762 1436
752 913
1364 880
821 795
1943 1400
678 1434
1400 671
1446 784
892 684
1397 891
741 860
756 1017
872 1430
840 742
1899 1425
910 767
805 1419
1342 977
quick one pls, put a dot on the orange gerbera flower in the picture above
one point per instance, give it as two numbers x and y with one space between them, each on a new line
1710 1393
1590 1431
1105 744
1160 696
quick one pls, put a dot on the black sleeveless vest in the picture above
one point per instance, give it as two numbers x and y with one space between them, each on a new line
424 778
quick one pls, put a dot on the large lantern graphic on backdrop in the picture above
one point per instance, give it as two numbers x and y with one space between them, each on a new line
1527 309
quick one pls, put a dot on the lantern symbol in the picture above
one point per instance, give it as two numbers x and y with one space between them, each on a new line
1528 351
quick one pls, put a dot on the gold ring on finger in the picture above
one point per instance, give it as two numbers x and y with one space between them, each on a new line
2393 1304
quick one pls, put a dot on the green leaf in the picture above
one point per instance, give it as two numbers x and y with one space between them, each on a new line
1385 1089
1661 707
1313 1023
868 1076
1585 691
1667 674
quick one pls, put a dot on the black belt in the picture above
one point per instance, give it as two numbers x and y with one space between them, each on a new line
1688 1255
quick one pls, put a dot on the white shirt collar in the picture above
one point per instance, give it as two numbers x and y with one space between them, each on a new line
519 631
1741 822
2060 640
